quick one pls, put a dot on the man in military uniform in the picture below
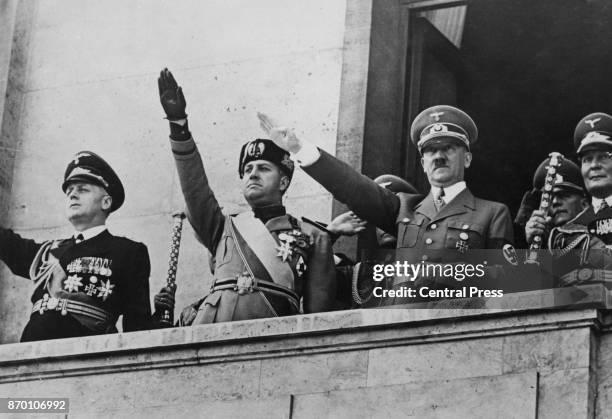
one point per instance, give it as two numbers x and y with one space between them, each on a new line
442 226
584 243
264 260
84 283
568 199
355 280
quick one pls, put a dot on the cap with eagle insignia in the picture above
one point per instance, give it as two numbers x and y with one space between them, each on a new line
443 123
90 168
567 176
395 184
263 149
593 132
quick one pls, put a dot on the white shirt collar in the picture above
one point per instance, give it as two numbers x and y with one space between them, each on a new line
450 192
90 232
596 203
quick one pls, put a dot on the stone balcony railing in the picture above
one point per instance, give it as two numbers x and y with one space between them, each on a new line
532 360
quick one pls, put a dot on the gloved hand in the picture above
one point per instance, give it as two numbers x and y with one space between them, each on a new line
538 225
171 96
164 300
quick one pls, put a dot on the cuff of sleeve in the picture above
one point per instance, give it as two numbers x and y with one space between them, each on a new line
183 148
308 154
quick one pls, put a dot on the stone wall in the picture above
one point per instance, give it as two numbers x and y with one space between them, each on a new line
358 364
82 75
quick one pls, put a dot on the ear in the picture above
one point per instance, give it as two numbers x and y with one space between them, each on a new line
284 183
467 159
107 202
423 164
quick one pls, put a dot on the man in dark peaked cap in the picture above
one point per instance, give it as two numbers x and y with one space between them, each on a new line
265 262
449 219
589 235
568 199
83 284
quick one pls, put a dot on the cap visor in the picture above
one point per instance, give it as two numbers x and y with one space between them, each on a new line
595 145
441 141
92 180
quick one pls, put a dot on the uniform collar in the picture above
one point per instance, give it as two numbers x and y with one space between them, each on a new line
90 232
268 212
596 203
450 192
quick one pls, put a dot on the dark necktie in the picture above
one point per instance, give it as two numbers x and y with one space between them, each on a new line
79 238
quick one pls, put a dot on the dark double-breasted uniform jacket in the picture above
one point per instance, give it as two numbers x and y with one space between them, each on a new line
81 288
243 292
464 223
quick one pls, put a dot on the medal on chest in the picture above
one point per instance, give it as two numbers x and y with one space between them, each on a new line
90 275
462 244
289 244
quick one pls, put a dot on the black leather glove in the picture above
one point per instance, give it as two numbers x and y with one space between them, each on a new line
171 96
164 300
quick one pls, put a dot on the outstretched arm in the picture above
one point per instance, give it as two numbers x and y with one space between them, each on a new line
361 194
18 253
203 210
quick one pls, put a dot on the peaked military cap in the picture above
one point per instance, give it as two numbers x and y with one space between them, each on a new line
443 123
593 132
90 168
263 149
567 176
395 184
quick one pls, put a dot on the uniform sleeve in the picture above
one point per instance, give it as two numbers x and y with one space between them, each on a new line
136 305
500 229
362 195
203 210
17 252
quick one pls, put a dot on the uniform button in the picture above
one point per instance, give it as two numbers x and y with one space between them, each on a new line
434 226
429 240
405 220
463 236
425 257
466 226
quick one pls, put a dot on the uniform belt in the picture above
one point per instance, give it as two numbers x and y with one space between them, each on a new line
244 284
70 306
586 274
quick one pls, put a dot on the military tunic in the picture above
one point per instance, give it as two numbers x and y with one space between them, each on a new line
582 248
244 292
464 223
81 288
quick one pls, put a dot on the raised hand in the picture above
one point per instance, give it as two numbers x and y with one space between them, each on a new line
347 224
283 137
171 96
